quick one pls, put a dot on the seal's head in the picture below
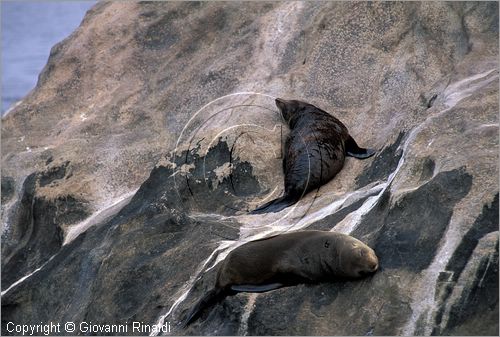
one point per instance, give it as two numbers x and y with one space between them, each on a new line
357 259
290 108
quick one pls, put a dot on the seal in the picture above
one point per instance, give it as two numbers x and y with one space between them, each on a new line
285 260
314 151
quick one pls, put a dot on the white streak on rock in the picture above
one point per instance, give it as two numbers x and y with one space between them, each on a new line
466 87
350 222
22 279
348 200
105 212
247 311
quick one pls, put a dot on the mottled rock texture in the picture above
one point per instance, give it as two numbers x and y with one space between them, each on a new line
127 173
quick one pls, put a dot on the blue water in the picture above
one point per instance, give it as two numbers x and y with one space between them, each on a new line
29 30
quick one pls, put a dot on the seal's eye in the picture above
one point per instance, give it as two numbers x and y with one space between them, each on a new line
361 253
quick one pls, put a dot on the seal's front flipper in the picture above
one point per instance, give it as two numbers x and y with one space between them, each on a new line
353 150
250 288
276 205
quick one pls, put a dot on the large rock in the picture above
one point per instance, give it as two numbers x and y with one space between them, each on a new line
127 173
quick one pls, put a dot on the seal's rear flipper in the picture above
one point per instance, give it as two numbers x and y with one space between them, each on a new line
275 205
212 297
353 150
250 288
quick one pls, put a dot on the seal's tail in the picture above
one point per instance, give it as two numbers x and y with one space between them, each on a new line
276 205
212 297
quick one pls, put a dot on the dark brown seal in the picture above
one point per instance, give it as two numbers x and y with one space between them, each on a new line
285 260
314 151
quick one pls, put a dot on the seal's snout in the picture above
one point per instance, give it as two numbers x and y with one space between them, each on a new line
283 107
369 269
280 103
372 261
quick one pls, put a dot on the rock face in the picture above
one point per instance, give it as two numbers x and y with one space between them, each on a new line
127 173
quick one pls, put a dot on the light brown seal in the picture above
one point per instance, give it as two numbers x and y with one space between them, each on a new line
285 260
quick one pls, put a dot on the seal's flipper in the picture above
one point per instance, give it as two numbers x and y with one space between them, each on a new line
212 297
276 205
250 288
353 150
